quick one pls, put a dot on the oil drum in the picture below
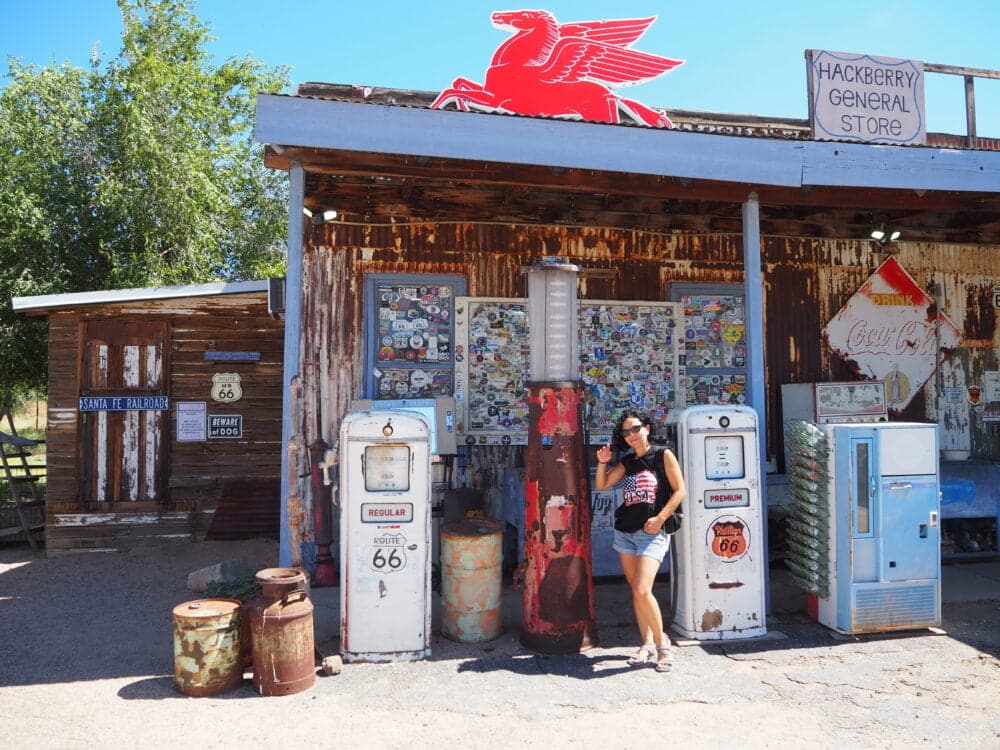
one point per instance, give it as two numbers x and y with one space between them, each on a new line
471 578
281 626
207 638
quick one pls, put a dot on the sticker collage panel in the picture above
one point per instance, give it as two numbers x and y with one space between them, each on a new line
630 356
414 341
491 353
715 346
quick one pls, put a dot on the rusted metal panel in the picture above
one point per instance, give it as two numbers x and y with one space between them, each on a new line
806 281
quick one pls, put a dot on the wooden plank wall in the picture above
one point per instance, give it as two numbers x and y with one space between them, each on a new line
202 476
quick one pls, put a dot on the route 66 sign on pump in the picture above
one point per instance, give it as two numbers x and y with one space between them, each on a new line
227 387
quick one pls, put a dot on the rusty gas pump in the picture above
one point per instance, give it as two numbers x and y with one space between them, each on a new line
557 612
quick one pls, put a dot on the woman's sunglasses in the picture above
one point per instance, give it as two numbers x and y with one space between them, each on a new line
626 431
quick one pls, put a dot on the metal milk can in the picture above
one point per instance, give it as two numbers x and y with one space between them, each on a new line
207 635
281 628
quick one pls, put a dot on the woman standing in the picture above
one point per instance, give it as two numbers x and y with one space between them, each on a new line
652 491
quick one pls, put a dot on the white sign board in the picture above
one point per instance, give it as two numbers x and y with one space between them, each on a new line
866 99
191 421
991 384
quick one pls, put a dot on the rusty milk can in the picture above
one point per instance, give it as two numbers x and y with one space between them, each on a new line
281 627
207 637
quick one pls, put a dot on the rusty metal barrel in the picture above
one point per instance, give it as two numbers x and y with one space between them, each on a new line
471 579
207 638
281 627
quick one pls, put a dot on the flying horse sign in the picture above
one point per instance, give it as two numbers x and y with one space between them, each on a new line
564 70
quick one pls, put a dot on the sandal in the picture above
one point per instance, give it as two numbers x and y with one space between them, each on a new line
664 658
644 655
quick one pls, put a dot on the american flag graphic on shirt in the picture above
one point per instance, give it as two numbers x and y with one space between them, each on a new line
639 488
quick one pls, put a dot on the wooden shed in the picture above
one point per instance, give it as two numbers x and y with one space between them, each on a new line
720 214
164 415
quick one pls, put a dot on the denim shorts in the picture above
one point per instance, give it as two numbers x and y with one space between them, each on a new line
641 544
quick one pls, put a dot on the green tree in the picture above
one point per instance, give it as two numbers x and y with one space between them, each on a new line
141 171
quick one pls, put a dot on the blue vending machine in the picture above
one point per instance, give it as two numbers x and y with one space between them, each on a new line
879 485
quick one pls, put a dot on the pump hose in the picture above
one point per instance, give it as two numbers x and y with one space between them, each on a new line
674 585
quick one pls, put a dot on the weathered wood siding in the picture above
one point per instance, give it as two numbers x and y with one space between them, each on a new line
806 281
216 489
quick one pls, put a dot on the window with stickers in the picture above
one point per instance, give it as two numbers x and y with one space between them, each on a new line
715 345
410 335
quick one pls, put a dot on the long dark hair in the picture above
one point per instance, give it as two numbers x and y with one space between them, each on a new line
618 442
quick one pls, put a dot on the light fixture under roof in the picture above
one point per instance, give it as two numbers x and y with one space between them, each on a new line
881 235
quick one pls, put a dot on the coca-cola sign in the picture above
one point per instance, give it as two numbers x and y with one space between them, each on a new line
891 330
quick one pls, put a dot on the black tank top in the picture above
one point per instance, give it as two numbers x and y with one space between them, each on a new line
645 489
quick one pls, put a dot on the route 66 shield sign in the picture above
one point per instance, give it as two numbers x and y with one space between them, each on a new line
227 387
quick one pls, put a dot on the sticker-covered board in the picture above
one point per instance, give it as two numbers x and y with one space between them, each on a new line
630 356
491 357
715 349
414 354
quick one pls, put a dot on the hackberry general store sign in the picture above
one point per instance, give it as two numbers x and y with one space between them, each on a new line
891 330
865 98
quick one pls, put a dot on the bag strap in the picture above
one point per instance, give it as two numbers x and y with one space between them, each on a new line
664 488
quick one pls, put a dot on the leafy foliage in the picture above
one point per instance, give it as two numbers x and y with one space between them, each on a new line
138 172
244 587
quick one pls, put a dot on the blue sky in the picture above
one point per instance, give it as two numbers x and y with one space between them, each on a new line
741 57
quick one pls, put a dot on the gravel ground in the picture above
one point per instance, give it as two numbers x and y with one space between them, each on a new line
87 661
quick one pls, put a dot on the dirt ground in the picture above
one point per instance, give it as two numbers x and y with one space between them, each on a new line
86 660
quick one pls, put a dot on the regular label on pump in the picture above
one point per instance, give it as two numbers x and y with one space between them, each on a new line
386 512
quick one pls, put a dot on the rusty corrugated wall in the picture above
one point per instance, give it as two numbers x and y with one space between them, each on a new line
806 281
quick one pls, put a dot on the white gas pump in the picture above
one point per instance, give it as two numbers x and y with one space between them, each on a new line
720 545
385 532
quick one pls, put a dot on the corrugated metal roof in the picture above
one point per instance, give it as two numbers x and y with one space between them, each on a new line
310 123
82 299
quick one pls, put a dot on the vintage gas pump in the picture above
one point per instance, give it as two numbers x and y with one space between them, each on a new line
557 603
720 546
385 532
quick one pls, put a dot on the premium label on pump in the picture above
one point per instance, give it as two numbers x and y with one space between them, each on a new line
727 498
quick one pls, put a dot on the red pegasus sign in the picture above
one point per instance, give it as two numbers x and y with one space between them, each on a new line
564 70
